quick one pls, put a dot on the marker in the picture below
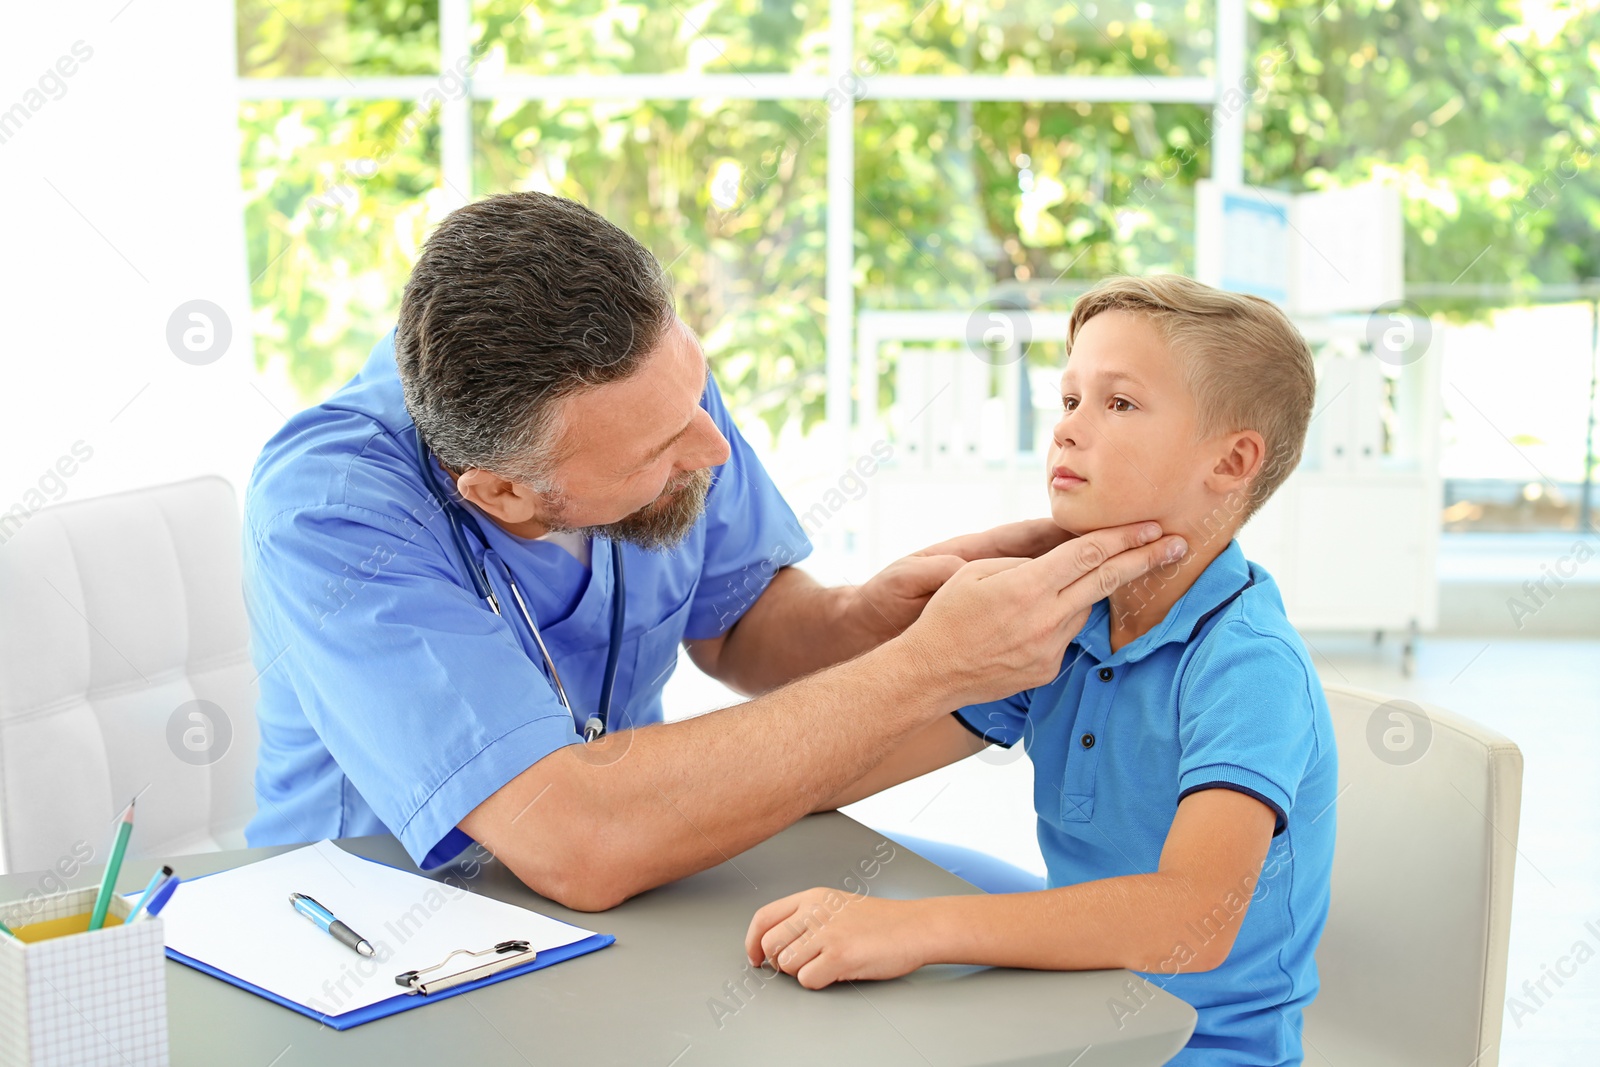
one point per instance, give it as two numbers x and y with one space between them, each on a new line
156 881
163 895
108 881
325 919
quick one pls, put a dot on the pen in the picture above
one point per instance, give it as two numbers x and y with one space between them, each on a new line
325 919
156 881
102 901
163 894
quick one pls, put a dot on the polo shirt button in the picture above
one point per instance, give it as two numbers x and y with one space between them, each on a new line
1088 740
1105 674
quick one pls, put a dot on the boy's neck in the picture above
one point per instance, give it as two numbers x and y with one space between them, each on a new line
1140 605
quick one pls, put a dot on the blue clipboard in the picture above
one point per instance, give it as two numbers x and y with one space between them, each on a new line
401 1001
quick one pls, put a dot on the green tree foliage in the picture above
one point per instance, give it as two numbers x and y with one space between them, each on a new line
336 38
731 196
338 196
1483 113
959 201
337 193
1153 38
654 36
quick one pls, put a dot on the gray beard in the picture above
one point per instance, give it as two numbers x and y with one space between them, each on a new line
663 523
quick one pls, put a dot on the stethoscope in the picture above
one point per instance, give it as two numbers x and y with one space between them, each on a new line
597 724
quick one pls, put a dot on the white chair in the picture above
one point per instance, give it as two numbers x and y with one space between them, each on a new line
118 615
1413 959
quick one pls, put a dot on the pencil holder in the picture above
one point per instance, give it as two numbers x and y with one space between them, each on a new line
75 997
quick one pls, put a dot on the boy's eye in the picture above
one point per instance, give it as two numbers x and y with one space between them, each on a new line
1121 403
1069 403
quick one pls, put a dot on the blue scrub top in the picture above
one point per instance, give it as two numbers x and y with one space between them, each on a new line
392 699
1221 694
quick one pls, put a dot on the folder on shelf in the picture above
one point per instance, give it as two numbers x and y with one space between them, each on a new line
433 940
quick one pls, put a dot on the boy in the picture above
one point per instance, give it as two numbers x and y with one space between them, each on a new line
1186 735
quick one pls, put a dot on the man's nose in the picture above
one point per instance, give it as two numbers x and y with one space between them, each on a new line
710 448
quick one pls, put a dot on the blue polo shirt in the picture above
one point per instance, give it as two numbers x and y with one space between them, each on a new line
1221 694
392 700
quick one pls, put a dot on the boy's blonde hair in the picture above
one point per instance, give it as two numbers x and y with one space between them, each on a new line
1247 367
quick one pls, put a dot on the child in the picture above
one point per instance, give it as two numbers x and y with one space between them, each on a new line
1186 736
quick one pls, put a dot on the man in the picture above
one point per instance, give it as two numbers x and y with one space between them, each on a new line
418 655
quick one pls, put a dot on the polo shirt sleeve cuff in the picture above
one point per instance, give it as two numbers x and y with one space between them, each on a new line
1240 780
431 836
997 739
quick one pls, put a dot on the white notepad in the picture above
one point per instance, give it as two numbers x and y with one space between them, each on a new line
241 923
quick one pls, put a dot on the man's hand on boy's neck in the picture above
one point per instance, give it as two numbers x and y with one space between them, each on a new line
1138 607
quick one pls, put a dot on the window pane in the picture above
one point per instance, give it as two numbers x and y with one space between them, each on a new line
958 201
337 202
730 196
1514 443
652 36
1021 37
337 38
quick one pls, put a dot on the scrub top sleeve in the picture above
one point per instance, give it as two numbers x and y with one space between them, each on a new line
1000 722
1246 718
423 696
751 533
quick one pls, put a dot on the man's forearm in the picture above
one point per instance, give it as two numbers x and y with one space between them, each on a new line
937 744
797 626
592 825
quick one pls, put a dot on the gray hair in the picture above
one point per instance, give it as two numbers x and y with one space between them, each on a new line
517 302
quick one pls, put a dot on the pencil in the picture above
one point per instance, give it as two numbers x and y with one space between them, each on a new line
7 931
109 880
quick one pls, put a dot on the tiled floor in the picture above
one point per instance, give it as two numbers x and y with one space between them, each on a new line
1544 695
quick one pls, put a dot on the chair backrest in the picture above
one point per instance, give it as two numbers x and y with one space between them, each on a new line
1413 959
124 670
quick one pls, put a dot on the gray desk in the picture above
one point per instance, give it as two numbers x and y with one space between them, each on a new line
649 1000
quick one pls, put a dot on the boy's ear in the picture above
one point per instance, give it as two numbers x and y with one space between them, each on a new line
1243 453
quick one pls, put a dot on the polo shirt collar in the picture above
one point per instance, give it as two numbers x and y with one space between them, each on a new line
1221 579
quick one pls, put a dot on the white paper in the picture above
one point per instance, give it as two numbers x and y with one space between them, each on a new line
241 923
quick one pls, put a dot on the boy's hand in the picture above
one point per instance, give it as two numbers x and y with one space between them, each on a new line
822 936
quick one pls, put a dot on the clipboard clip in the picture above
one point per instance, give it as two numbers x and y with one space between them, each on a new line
507 954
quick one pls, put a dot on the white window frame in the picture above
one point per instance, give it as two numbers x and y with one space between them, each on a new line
456 134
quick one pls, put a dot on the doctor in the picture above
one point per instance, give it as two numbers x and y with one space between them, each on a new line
469 572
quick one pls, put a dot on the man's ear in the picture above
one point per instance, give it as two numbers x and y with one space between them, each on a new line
500 498
1242 456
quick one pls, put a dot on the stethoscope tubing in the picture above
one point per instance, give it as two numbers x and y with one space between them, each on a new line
597 724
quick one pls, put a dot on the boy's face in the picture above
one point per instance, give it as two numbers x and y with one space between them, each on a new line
1125 448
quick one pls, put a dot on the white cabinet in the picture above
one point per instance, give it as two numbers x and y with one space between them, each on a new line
1350 552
